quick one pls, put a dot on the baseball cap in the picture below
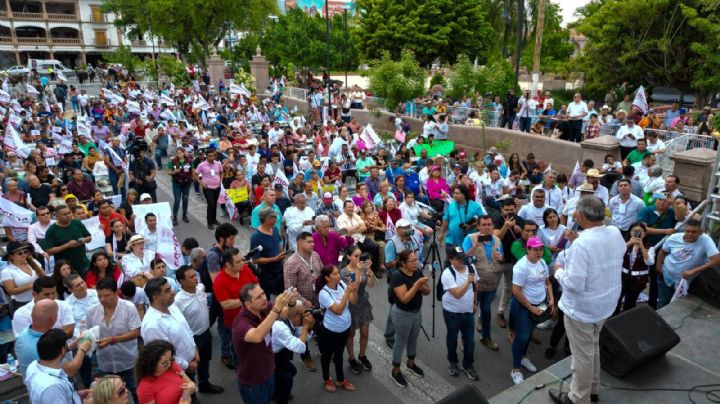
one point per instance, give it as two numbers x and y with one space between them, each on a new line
278 187
683 110
317 163
462 155
435 167
457 253
327 196
492 150
403 223
534 242
145 196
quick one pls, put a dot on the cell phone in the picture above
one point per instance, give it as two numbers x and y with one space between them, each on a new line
484 237
637 234
352 276
364 257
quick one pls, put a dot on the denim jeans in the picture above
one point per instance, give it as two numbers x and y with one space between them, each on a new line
226 349
407 329
664 292
180 193
485 300
257 393
389 327
113 177
462 323
523 325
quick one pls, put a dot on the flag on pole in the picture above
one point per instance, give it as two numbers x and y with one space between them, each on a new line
576 169
61 76
548 169
4 95
133 106
201 103
390 231
14 143
229 205
168 115
30 89
148 94
239 89
83 129
281 178
164 99
640 101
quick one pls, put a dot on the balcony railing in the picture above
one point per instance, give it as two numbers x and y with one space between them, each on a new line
3 14
139 43
62 16
28 16
32 41
66 41
100 20
5 39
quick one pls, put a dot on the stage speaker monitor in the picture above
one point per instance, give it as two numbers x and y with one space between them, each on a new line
707 286
468 394
634 338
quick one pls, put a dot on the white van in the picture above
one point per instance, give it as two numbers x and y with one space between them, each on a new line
42 66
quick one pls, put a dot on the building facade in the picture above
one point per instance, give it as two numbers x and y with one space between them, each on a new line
75 32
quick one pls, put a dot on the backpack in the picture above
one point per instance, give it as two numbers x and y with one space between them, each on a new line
440 289
405 126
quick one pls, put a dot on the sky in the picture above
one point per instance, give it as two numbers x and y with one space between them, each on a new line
568 8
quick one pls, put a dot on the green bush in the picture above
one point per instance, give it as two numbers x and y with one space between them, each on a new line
174 70
466 80
123 55
396 81
436 79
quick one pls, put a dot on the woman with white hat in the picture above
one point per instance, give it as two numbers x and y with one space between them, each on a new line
136 264
18 276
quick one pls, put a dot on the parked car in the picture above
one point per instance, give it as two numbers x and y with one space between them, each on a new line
42 66
17 70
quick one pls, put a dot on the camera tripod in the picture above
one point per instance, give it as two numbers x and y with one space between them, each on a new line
432 257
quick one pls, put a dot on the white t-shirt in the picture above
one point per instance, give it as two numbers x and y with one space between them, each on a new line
327 298
530 212
576 108
11 272
531 277
450 302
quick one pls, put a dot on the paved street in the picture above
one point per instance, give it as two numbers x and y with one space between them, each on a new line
375 386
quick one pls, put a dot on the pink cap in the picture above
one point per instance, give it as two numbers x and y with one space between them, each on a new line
534 242
435 167
328 196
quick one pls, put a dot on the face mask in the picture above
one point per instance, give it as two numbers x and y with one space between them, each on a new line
408 232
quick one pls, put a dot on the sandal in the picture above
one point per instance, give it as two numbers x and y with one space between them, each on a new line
329 385
345 384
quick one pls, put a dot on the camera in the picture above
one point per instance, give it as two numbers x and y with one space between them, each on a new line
317 314
637 234
365 257
471 224
484 238
138 146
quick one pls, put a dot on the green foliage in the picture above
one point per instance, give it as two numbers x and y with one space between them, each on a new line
495 78
192 26
675 44
556 47
438 29
123 55
437 79
396 82
298 39
244 77
174 70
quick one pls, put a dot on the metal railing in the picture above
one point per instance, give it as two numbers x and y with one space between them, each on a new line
28 16
609 129
679 142
296 92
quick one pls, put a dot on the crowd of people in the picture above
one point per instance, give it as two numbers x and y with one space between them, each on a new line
332 213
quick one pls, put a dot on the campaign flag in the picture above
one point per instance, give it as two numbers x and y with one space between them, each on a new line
14 120
164 99
133 106
196 85
31 90
548 169
239 89
107 93
168 247
681 290
201 103
168 115
4 95
640 101
367 139
148 94
438 148
5 86
97 234
390 231
118 162
14 215
14 143
228 201
65 145
576 169
281 179
83 129
61 76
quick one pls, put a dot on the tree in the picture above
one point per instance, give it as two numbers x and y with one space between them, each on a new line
675 45
396 82
190 25
298 39
123 55
438 29
495 78
556 47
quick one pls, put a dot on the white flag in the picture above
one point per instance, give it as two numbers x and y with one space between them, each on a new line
390 231
30 89
640 101
229 205
133 106
168 247
239 89
148 95
281 179
61 76
107 93
14 215
14 143
83 129
4 95
201 103
576 169
118 162
369 137
168 115
548 169
164 99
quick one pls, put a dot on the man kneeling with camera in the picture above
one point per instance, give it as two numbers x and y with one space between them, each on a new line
290 333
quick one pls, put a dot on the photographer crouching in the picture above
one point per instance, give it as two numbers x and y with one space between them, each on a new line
142 170
290 333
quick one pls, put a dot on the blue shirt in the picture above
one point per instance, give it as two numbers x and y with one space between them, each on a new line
412 181
487 245
669 116
549 122
255 216
456 215
683 256
391 173
26 348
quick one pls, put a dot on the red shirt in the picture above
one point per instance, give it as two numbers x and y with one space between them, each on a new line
226 287
105 221
91 279
163 389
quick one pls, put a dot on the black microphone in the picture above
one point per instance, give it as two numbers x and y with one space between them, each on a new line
253 252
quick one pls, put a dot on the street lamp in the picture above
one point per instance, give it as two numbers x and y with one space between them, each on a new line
327 54
521 11
345 55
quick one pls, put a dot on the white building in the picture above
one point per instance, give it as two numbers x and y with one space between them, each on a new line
72 31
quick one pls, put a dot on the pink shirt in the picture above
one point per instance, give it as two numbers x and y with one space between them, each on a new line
434 187
210 173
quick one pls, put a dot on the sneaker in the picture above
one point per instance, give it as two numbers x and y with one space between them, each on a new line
365 363
525 362
399 379
488 342
329 385
517 376
414 369
453 369
309 364
501 320
550 323
355 366
471 374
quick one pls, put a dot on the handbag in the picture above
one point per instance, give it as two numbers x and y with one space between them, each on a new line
541 318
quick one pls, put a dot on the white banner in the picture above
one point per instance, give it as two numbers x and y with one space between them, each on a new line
390 230
61 76
281 179
14 215
83 129
133 106
168 247
65 145
148 95
239 89
97 234
164 99
31 90
14 143
640 101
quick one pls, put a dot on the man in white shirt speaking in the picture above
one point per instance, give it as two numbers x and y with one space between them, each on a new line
591 284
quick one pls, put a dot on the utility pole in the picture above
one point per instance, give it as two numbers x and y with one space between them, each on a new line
538 45
327 57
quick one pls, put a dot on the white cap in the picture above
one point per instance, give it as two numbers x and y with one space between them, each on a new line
402 223
145 196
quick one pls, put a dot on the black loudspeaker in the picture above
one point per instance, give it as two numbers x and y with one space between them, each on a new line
634 338
707 286
464 395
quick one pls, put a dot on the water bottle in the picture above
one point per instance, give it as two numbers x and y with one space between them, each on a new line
12 363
